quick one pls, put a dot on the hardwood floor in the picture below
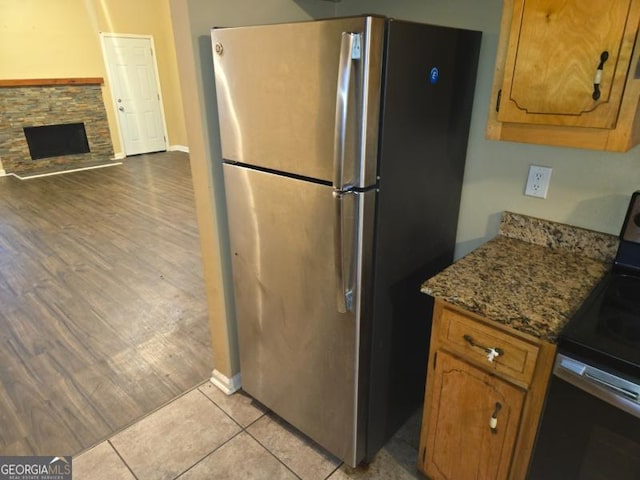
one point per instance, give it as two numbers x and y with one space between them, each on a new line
103 316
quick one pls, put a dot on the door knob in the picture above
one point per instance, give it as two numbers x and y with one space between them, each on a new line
121 108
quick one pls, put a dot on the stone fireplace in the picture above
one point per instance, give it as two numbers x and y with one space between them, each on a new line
54 103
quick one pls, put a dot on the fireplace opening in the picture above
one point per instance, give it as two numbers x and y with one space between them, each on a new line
56 140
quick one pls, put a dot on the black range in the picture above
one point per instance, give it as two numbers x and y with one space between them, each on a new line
606 329
590 427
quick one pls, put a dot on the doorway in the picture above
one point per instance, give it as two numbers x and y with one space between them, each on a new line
132 73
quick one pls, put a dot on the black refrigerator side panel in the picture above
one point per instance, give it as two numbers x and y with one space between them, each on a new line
423 140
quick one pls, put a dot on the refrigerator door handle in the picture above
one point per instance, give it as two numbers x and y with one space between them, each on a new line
343 245
350 50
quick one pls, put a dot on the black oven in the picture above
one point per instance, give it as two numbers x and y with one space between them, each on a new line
590 430
590 427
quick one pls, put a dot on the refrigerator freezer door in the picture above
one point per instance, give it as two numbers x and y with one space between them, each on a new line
298 353
277 88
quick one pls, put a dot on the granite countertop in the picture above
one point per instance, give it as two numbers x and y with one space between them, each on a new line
532 277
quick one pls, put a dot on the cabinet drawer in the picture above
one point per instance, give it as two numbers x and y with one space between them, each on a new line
469 338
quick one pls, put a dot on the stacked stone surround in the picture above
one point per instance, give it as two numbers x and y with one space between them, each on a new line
34 106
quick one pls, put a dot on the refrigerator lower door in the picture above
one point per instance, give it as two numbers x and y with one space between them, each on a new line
299 355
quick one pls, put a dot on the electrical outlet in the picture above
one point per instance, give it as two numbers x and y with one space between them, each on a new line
538 181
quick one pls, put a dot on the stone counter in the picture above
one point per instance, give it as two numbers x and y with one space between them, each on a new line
532 277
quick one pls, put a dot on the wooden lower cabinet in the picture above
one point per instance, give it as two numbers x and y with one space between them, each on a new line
480 422
462 443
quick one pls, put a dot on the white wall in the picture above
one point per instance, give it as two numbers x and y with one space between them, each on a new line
588 189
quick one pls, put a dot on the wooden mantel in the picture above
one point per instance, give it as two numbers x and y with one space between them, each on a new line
44 82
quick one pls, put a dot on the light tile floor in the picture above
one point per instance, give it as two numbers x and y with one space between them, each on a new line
205 434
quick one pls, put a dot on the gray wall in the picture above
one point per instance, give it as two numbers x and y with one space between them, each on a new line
588 189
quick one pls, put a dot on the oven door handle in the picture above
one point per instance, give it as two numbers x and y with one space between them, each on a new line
616 391
622 391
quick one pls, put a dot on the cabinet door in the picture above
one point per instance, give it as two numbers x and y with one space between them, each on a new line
555 48
460 443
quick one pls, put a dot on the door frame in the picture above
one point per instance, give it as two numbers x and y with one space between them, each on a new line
114 103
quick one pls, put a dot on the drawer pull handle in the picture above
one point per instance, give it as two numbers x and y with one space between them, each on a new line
492 353
493 421
598 77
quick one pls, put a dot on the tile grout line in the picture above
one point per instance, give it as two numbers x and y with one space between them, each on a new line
113 447
245 430
273 454
307 439
334 471
223 443
197 387
208 454
219 407
242 429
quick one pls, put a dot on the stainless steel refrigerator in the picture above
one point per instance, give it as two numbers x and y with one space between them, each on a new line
344 143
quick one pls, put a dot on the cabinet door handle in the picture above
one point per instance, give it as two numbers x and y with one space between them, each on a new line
604 56
493 421
491 352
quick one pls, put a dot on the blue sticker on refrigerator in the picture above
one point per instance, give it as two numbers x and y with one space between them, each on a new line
434 75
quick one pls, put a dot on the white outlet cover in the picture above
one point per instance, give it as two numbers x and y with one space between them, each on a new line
538 181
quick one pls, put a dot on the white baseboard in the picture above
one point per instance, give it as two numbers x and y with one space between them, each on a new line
3 173
226 384
170 148
60 172
178 148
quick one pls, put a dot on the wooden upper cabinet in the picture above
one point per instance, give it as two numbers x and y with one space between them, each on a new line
556 47
547 63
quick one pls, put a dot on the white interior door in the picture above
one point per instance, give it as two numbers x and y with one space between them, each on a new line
132 75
